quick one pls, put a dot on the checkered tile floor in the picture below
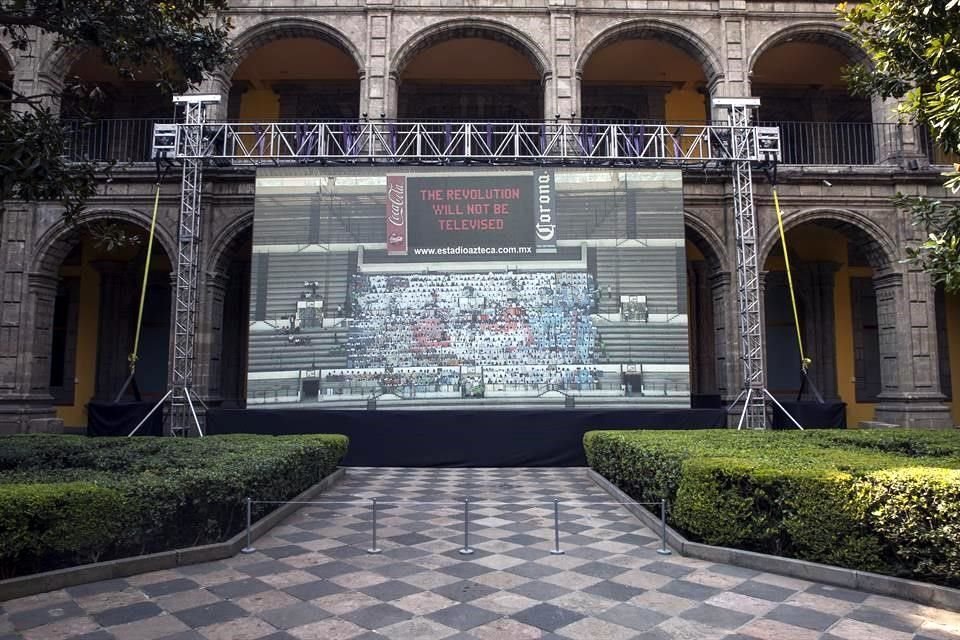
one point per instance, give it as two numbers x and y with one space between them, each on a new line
311 578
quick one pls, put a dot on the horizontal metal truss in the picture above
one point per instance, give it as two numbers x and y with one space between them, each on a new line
540 142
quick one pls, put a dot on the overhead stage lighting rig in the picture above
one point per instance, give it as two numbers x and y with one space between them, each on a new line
736 145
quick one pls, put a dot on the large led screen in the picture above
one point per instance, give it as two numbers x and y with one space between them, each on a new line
453 287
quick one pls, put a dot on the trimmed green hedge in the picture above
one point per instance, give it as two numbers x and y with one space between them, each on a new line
68 500
881 501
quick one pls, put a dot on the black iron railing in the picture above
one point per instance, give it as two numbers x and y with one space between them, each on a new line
932 150
839 143
110 140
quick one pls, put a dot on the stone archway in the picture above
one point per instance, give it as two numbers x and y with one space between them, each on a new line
294 68
470 69
84 297
674 34
860 317
798 74
824 33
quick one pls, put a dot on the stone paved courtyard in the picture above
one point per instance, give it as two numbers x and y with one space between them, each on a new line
311 578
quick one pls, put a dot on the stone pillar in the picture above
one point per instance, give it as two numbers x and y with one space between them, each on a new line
362 106
726 336
29 79
561 87
26 314
209 346
217 84
118 292
893 142
735 80
379 92
910 382
817 281
701 330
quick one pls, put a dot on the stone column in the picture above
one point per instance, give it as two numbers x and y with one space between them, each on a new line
561 88
218 84
362 106
702 331
735 81
379 91
30 80
910 383
209 346
726 336
893 142
817 280
26 313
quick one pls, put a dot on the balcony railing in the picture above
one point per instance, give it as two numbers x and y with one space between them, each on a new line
110 140
932 150
802 143
839 143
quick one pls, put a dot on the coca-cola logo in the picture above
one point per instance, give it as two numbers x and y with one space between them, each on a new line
396 203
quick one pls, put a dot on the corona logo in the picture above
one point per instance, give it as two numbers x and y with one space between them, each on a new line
546 229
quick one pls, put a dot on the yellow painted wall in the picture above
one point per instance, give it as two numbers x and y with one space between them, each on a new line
259 105
813 243
88 316
685 105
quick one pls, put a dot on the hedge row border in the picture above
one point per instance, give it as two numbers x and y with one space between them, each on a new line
915 591
35 583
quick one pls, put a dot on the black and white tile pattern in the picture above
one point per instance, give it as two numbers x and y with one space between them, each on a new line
312 578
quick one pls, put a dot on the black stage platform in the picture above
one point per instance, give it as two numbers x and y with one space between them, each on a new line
460 438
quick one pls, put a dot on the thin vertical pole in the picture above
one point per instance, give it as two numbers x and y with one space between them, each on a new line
556 528
249 548
663 550
374 548
466 551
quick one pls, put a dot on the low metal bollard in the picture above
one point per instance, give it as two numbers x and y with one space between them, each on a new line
556 528
249 548
663 550
466 551
374 548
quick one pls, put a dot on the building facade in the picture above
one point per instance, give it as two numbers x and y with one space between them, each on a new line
882 339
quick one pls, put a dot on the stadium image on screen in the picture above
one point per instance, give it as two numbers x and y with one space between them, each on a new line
455 287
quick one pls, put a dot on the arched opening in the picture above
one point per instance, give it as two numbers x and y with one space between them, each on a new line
229 308
110 117
94 315
668 86
475 75
802 90
835 266
304 77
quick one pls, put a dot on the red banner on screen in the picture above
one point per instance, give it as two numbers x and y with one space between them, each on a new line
396 215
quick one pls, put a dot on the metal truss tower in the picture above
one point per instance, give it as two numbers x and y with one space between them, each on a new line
745 149
189 137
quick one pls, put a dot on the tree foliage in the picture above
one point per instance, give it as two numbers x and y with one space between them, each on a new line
914 49
176 42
